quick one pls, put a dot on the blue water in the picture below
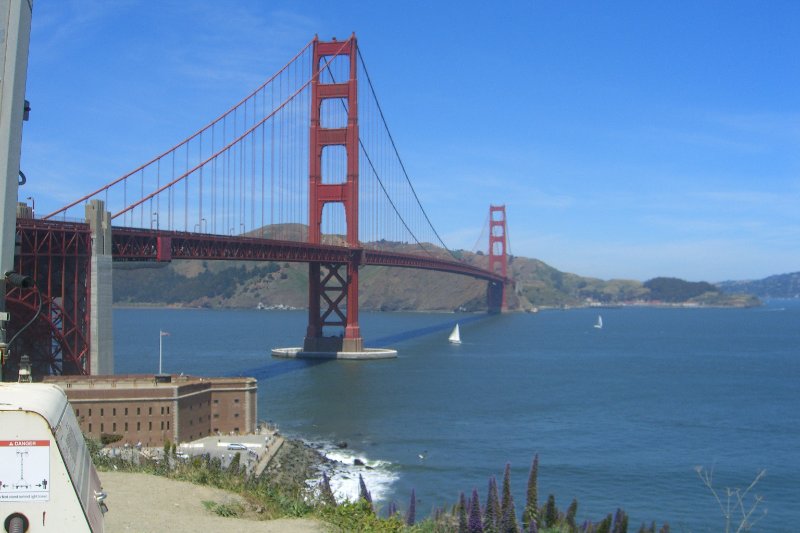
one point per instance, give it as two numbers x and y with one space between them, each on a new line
619 416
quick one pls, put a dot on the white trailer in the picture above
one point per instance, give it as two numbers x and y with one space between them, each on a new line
47 479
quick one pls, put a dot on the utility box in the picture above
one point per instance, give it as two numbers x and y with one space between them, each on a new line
47 479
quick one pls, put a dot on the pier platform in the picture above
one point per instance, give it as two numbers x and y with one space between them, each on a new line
363 355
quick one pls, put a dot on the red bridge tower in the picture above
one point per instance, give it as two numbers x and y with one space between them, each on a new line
333 287
498 258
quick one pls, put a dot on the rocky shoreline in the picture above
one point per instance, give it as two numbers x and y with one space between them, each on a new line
296 463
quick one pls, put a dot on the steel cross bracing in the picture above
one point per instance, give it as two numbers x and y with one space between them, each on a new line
57 256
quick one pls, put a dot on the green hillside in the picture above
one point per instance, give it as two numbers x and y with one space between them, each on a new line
223 284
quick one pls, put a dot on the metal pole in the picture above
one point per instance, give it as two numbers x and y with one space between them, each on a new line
15 30
160 349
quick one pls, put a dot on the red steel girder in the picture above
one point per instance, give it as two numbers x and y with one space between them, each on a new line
131 244
57 255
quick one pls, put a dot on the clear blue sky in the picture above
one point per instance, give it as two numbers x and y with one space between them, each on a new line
627 139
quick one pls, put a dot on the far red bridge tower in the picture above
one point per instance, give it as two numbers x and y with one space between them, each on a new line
498 258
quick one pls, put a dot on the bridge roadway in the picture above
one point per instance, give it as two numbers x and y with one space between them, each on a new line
134 244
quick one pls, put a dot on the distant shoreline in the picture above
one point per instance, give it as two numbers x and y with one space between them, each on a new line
665 305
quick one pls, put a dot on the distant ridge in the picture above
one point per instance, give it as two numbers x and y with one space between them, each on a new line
778 286
223 284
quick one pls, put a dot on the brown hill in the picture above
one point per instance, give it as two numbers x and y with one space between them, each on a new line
270 284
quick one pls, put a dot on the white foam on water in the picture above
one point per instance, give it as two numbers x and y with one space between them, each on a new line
343 474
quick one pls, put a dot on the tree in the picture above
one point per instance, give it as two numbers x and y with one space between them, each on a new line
491 516
530 514
109 438
363 493
325 492
572 510
620 522
474 525
509 518
411 517
550 511
462 514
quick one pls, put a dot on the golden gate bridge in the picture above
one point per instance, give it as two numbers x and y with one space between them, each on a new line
304 169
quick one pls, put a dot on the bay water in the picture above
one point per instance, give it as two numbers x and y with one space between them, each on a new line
620 416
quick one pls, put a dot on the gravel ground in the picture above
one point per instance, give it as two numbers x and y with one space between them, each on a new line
144 503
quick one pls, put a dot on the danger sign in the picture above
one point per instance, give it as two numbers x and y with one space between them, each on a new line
24 470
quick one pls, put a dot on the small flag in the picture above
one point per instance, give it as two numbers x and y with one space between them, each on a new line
165 333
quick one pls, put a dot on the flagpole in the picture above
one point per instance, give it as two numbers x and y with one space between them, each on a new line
160 348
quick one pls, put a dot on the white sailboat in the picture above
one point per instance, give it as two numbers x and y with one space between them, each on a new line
455 336
599 324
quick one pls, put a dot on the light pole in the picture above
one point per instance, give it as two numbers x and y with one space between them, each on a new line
155 217
161 335
33 205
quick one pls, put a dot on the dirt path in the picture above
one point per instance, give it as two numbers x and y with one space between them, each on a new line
144 503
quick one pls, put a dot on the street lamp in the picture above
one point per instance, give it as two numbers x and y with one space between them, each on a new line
33 205
155 218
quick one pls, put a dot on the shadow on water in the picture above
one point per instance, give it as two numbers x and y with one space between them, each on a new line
420 332
283 367
279 368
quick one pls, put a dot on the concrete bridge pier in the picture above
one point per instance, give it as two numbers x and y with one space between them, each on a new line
101 343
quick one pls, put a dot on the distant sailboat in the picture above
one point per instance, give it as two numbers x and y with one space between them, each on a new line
455 336
599 324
